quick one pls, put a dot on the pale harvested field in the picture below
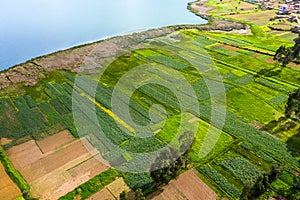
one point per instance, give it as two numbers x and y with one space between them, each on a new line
56 160
194 119
117 187
104 194
53 142
92 166
65 164
24 154
111 191
187 186
169 192
8 189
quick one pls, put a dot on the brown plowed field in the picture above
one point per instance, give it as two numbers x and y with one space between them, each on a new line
65 164
55 161
8 189
90 166
187 186
24 154
53 142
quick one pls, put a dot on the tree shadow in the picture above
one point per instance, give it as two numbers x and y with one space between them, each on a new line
281 125
275 123
293 144
268 72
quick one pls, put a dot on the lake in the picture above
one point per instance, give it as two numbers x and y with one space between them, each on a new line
33 28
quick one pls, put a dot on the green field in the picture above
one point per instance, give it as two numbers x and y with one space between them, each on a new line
255 90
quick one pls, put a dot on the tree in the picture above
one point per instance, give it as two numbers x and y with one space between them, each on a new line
139 195
246 191
166 167
252 191
296 49
285 55
276 171
292 108
123 195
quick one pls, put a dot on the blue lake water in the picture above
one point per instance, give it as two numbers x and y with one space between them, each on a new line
37 27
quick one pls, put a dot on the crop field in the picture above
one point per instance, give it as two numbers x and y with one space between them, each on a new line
43 143
111 191
259 18
187 186
8 189
52 171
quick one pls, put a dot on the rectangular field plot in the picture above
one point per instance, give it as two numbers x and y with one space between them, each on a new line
238 100
57 166
8 189
187 186
103 194
53 142
209 142
219 181
111 191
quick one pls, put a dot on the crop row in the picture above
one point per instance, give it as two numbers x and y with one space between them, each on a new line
162 95
220 181
240 128
242 169
274 85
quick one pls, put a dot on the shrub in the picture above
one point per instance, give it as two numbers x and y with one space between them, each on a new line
12 173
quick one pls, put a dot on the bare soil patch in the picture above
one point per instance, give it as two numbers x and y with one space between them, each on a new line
65 164
187 186
5 141
193 119
200 8
117 187
53 142
24 154
229 47
8 189
65 156
103 194
92 167
158 130
169 192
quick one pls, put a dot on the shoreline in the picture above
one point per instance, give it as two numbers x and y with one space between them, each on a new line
198 8
70 59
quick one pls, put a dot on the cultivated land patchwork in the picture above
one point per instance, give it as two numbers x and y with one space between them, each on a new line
230 75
